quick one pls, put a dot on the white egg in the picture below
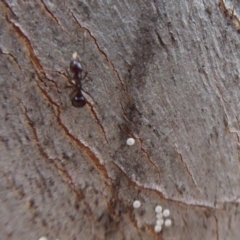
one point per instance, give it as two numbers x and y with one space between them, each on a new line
130 141
158 209
158 228
159 222
166 212
159 215
168 222
136 204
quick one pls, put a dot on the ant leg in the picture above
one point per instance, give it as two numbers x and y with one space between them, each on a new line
70 79
92 99
85 75
84 36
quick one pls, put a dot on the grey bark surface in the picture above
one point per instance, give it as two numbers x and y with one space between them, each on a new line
163 72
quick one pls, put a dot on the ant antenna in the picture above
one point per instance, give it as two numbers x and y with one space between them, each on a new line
74 56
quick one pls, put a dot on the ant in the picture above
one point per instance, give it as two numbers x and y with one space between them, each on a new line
78 100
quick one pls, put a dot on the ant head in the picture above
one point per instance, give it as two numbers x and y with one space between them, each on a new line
75 67
78 100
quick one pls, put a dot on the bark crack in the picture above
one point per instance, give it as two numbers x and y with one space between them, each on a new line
49 12
186 167
14 59
36 62
9 8
161 194
95 115
64 173
186 226
135 184
228 12
217 229
44 154
148 157
86 149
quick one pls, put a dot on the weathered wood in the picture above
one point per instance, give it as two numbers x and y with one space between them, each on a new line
163 72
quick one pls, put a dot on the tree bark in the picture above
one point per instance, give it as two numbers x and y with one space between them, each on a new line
165 73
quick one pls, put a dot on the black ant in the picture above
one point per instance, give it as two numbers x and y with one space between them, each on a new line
78 100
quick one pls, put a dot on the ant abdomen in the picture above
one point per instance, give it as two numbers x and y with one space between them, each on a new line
78 100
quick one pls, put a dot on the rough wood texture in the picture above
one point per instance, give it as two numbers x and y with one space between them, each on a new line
164 72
